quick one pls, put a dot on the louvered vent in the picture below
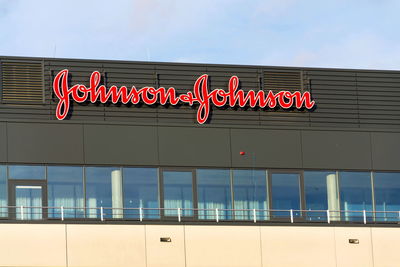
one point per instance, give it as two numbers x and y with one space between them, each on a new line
283 80
22 82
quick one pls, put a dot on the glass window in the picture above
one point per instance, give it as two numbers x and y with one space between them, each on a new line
104 189
285 190
141 191
250 192
26 172
178 192
65 189
355 195
321 193
214 192
3 191
387 196
30 197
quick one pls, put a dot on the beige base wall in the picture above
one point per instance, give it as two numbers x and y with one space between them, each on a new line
196 246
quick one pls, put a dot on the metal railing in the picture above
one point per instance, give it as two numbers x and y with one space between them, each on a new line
189 214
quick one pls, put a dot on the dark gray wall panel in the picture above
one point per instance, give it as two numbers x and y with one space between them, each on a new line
115 144
386 151
3 142
45 143
194 147
266 148
336 150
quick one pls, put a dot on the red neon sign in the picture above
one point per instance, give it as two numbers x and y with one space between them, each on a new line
150 95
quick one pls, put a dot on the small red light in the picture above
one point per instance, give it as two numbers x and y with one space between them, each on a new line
242 153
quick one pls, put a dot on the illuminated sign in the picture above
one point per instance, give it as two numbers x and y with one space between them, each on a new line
200 96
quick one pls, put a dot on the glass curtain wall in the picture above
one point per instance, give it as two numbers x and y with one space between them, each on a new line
214 192
285 190
3 191
114 188
250 192
104 189
321 193
387 196
140 186
26 172
178 193
65 189
355 195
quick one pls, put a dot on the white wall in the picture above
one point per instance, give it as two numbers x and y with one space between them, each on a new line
196 245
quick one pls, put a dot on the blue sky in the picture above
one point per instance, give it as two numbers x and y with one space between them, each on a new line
341 33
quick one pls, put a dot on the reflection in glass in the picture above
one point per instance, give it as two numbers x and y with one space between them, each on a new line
285 190
26 172
98 191
355 195
178 192
28 200
321 193
65 189
141 191
3 191
250 192
214 192
387 196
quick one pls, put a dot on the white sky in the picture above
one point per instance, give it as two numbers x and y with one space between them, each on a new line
320 33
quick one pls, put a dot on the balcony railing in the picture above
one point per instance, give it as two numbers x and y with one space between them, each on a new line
206 215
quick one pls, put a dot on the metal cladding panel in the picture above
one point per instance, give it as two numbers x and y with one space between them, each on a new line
3 142
185 146
379 98
385 151
336 150
45 143
344 98
266 148
335 94
121 144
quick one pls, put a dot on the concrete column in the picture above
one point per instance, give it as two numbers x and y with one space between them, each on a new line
333 196
117 201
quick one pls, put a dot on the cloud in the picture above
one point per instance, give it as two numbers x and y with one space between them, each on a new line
271 32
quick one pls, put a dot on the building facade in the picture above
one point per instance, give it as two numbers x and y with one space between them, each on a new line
125 183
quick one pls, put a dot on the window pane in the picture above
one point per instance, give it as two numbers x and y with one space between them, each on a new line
30 197
26 172
320 193
3 191
250 192
214 192
355 195
141 191
387 196
178 192
99 191
285 190
65 188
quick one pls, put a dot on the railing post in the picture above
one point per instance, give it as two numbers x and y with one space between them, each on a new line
62 213
216 215
22 212
141 214
179 214
101 214
254 215
291 215
365 217
328 216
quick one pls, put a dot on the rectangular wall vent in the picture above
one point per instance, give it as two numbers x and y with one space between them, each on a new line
283 80
22 82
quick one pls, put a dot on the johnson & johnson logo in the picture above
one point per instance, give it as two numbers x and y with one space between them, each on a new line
200 96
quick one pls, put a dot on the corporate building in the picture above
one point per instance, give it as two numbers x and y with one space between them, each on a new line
117 163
